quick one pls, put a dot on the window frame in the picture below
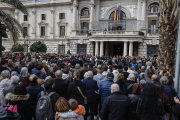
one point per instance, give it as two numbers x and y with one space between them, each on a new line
152 7
60 16
61 30
43 16
44 31
85 12
25 18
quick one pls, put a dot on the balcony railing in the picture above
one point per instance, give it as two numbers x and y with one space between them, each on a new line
153 30
114 33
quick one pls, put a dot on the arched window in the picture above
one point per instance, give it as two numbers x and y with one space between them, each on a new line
85 12
123 16
119 26
153 8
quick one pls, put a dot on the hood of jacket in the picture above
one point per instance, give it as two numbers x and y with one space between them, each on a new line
115 72
69 114
99 77
3 112
13 97
64 76
80 110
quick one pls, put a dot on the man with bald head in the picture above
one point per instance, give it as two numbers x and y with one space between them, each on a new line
60 86
116 106
154 78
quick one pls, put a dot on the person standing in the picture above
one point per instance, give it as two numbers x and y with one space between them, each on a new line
116 106
91 87
115 72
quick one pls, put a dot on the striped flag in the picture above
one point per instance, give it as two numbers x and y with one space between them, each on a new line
120 14
115 14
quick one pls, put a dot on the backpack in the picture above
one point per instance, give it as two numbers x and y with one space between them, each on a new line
44 110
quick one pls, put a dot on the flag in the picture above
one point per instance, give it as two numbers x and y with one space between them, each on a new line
120 14
115 15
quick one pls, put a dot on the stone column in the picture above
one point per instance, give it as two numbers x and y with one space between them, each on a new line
125 48
74 14
139 11
97 9
130 48
107 49
143 17
34 24
97 48
101 48
16 15
52 24
91 14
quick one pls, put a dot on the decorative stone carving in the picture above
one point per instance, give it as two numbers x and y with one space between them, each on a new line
43 23
52 11
25 24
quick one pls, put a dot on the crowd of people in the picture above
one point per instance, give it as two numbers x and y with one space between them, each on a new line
43 86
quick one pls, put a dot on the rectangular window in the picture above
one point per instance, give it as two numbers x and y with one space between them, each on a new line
25 18
43 16
61 16
26 30
62 31
153 26
84 27
43 31
61 49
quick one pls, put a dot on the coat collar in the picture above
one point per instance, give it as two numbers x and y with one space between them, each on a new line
13 97
117 92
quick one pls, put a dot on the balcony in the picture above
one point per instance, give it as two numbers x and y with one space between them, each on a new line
153 32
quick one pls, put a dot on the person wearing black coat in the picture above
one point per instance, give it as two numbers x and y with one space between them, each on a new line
91 87
116 106
49 85
134 97
60 86
33 89
73 91
176 108
130 82
20 97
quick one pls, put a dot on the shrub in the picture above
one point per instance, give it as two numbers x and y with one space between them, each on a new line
38 47
17 48
3 48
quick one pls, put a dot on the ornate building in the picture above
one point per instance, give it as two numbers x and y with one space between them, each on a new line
88 27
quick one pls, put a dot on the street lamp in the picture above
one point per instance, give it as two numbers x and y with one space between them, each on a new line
27 43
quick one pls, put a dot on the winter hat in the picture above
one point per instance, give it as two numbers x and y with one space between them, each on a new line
110 76
131 77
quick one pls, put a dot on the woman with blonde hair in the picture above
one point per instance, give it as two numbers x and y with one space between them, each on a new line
75 88
120 81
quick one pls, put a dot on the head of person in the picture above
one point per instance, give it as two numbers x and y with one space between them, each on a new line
94 71
114 88
114 67
136 89
76 75
105 68
81 70
66 70
154 77
15 67
58 74
129 66
73 104
20 89
88 74
24 72
44 62
142 83
120 67
161 93
125 68
137 69
49 84
38 74
150 72
131 77
143 69
99 70
40 67
77 66
120 77
111 68
164 80
15 79
110 76
55 68
5 74
149 99
4 62
61 105
48 77
33 78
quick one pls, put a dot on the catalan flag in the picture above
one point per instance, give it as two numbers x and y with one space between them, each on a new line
115 15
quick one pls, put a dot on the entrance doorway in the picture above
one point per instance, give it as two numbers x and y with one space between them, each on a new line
118 49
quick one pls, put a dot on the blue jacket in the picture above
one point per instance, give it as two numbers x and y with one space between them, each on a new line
168 90
104 89
134 65
99 78
91 87
34 70
43 75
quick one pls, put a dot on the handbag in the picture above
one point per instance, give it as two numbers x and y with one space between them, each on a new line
85 99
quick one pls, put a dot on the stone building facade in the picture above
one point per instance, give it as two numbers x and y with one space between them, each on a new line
88 26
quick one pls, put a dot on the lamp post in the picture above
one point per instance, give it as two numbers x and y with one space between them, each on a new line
27 43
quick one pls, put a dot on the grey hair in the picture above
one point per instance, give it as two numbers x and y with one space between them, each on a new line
5 74
142 82
115 87
85 75
58 73
24 72
164 80
33 60
52 65
100 70
48 77
15 79
88 74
